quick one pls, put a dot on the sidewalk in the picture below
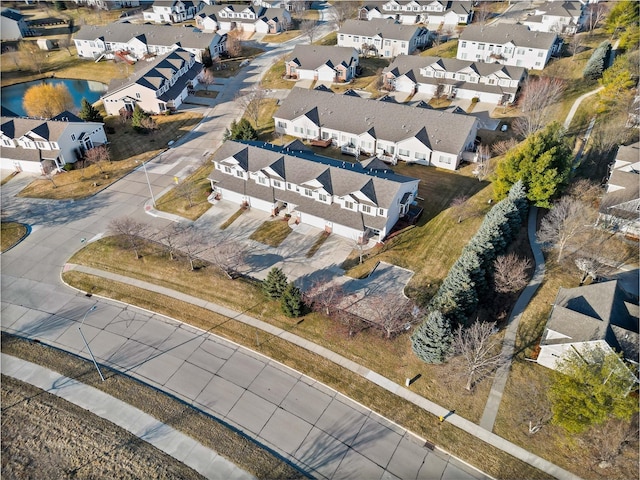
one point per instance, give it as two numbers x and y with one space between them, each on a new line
364 372
181 447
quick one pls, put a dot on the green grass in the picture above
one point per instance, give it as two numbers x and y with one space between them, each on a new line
272 232
445 50
317 244
172 202
11 234
232 219
331 39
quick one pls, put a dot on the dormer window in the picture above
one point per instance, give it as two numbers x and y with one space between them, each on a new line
366 208
239 173
262 180
308 192
277 183
322 197
227 169
349 205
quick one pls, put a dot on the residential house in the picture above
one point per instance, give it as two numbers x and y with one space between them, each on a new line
353 200
557 16
156 86
508 44
175 11
244 18
288 5
365 127
450 77
436 12
133 42
109 4
382 37
40 146
598 315
322 63
13 25
620 205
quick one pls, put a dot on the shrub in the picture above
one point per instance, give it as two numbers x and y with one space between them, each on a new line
596 64
275 284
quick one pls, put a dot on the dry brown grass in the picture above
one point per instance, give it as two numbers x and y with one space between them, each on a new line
173 202
178 415
271 232
11 234
467 447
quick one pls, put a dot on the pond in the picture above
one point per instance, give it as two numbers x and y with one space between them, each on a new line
12 95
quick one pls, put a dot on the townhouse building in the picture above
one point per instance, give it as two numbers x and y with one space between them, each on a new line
354 200
134 42
40 146
507 44
382 37
363 127
322 63
453 78
155 86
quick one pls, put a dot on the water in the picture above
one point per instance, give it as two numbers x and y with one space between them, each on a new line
12 96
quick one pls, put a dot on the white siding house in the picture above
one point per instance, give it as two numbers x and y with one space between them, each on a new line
507 44
382 37
172 12
364 127
39 146
357 201
322 63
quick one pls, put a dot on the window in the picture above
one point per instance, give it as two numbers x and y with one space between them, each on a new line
356 38
308 192
348 205
262 180
137 94
420 156
445 160
227 169
402 151
381 212
73 137
322 197
341 36
289 186
481 46
277 183
41 145
492 81
239 173
540 54
439 74
403 44
366 208
387 43
463 44
282 124
520 51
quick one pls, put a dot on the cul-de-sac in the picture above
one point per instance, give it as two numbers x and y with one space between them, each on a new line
278 239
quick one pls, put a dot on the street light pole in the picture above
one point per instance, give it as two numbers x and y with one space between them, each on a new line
93 307
144 167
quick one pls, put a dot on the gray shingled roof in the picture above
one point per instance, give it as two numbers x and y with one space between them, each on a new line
445 132
501 33
385 27
310 57
12 14
16 127
630 153
591 312
154 34
300 167
561 9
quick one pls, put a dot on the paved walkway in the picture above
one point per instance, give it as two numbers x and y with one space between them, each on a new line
508 346
370 375
182 447
576 104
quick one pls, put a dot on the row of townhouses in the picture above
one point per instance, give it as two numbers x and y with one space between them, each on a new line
39 146
354 200
244 18
391 131
435 12
156 86
134 42
382 37
453 78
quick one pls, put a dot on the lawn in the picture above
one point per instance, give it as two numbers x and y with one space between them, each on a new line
330 39
272 232
274 77
393 359
266 126
196 187
368 80
11 234
281 37
128 149
232 219
445 50
317 244
63 425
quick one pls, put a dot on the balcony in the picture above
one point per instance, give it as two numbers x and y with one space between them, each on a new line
349 149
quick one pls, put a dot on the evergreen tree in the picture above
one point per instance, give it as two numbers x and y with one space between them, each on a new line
89 113
431 341
242 130
275 283
138 118
291 301
518 195
457 297
542 163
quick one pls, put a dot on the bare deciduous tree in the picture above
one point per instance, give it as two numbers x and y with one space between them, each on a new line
228 256
193 243
503 146
98 156
309 29
31 56
596 13
169 238
538 94
342 11
482 13
461 207
480 349
187 190
324 297
253 101
130 233
391 313
567 221
484 166
511 273
149 124
534 408
605 442
607 135
234 47
586 191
